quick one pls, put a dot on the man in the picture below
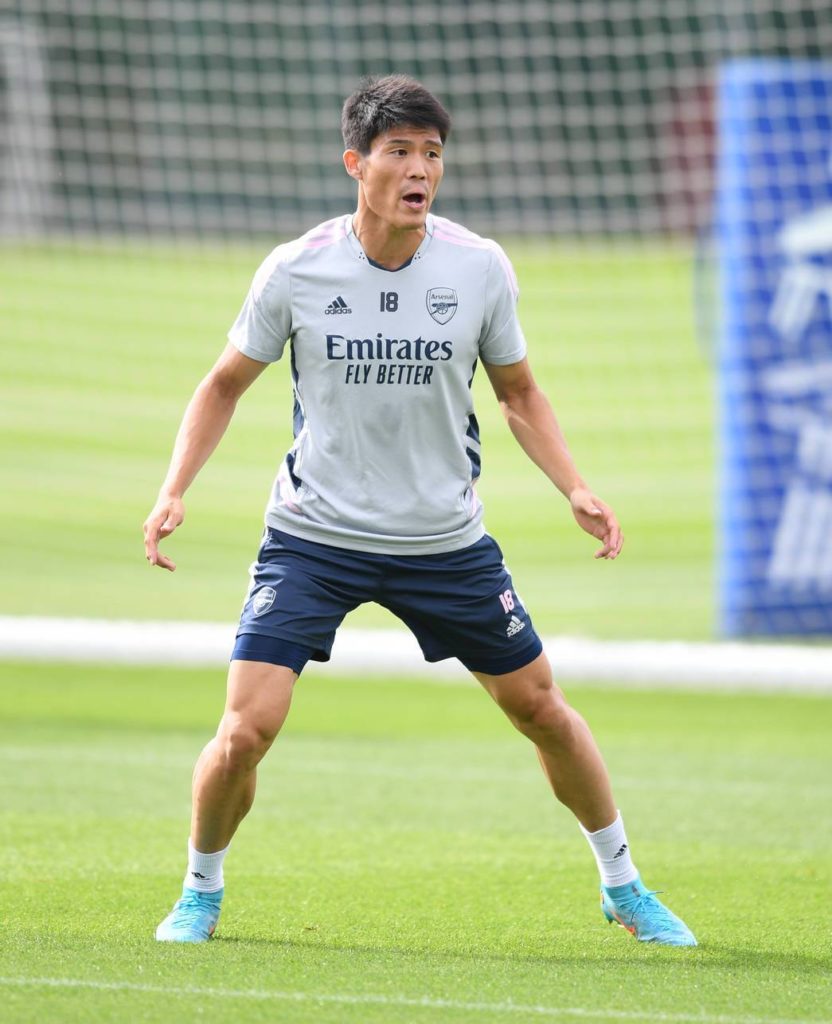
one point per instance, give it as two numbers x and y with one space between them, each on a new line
388 312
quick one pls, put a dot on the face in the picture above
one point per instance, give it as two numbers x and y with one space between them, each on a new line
400 175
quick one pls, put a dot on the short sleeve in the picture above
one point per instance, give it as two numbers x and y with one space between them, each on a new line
501 340
264 324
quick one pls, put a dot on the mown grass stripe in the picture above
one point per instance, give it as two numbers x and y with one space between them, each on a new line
298 763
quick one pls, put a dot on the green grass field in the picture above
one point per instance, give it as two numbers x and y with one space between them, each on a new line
404 861
100 349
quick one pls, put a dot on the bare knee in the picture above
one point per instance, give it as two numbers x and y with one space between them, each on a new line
259 695
241 744
542 713
533 704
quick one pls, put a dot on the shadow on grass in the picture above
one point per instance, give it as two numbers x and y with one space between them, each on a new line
708 956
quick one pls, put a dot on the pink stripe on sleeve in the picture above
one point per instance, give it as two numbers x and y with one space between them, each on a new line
469 239
329 233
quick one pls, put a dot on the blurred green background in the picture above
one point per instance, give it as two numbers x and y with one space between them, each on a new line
102 346
153 155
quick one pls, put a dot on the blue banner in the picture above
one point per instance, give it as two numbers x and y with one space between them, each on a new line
774 235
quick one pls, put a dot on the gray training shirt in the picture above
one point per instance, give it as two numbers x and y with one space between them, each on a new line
386 452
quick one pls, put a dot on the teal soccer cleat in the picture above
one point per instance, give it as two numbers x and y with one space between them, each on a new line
637 909
193 918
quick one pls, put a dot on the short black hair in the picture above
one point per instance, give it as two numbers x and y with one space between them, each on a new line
391 101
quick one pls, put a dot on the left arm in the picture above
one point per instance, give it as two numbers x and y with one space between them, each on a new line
532 421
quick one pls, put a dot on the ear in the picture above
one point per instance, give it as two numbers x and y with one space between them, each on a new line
352 163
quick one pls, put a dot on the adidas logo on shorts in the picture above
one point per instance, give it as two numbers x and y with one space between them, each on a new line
514 626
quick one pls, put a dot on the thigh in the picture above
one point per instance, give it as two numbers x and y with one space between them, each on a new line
300 591
463 604
258 696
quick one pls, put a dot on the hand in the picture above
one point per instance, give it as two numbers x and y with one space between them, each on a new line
597 519
167 514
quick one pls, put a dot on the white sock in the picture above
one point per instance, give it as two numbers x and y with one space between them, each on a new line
205 870
612 853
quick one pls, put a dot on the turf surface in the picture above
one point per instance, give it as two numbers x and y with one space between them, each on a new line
100 348
404 861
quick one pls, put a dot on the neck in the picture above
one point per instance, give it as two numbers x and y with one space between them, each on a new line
384 244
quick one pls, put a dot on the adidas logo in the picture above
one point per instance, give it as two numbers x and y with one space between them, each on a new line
621 852
196 874
514 626
337 306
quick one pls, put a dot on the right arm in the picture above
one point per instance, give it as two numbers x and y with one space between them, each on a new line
205 421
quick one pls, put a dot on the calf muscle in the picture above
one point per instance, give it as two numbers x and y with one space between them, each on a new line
567 751
225 776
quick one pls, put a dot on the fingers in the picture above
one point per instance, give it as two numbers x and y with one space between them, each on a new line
151 538
612 537
164 562
600 521
160 524
167 527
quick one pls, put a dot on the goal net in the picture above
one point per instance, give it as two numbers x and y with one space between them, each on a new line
200 116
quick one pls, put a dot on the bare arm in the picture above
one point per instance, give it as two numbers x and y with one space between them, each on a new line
534 425
205 421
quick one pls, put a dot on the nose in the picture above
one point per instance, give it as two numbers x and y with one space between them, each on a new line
416 167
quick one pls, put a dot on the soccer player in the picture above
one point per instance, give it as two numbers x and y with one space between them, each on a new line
388 312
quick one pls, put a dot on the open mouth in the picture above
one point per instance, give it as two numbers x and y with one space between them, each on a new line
415 200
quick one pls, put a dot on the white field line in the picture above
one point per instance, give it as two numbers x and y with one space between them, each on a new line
664 664
371 999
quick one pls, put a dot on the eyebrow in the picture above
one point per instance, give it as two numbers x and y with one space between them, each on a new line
409 142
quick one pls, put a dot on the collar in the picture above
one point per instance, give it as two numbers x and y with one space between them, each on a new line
358 249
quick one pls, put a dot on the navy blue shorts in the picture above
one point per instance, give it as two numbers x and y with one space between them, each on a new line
460 604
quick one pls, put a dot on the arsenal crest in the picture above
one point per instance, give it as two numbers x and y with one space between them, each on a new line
441 304
263 600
